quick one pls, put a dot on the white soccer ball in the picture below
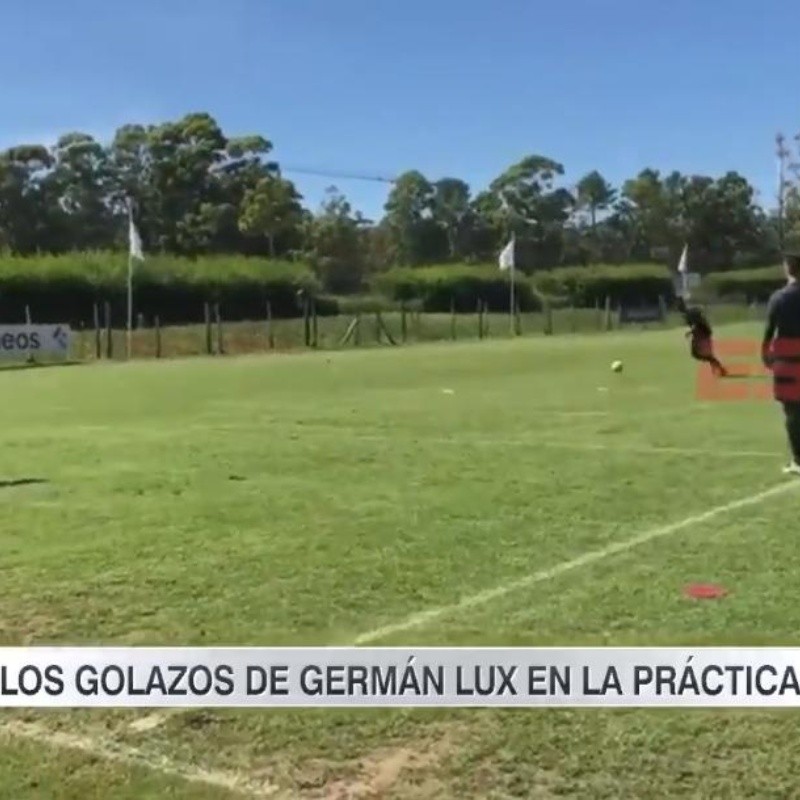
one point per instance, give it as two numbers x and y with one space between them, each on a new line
616 366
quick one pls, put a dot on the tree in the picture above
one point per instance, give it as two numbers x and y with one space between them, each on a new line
722 220
181 157
409 217
535 209
82 179
196 190
334 244
791 220
655 204
271 208
240 170
26 205
450 206
595 194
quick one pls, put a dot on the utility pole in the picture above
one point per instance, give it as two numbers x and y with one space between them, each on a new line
782 154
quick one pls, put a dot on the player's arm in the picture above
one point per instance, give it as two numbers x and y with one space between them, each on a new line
769 334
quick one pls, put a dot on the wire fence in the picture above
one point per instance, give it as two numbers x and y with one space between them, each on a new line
149 339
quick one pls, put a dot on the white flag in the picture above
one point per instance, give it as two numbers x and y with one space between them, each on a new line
683 264
134 240
506 260
683 272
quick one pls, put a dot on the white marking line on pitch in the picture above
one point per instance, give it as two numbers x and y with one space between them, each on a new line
651 449
591 557
235 783
586 446
133 757
158 718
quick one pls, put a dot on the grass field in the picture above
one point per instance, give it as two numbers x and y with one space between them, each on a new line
331 498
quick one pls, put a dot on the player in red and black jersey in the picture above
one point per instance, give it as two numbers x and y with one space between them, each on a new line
702 343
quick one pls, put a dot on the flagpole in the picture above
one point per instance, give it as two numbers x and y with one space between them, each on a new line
512 295
130 304
782 154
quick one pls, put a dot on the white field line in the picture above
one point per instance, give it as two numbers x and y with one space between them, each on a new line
123 753
115 752
655 449
155 719
481 598
158 718
642 449
131 756
531 442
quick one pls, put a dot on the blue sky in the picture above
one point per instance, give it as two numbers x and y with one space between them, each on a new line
449 88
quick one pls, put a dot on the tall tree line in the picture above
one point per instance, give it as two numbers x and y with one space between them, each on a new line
197 191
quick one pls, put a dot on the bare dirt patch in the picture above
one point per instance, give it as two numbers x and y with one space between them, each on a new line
399 771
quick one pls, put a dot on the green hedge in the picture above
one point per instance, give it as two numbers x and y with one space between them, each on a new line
437 287
752 284
587 286
65 288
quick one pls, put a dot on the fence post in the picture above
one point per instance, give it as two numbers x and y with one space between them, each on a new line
207 314
548 321
29 323
314 328
98 344
270 335
220 345
109 338
158 337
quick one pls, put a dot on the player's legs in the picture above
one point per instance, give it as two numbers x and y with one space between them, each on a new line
791 412
703 350
786 389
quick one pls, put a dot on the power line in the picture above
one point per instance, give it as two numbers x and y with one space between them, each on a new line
275 166
336 174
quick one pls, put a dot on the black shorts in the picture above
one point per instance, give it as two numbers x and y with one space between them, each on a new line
702 347
786 382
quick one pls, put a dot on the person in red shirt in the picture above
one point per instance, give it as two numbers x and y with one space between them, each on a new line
701 333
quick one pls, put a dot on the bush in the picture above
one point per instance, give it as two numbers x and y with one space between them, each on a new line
750 284
586 286
66 288
436 288
364 303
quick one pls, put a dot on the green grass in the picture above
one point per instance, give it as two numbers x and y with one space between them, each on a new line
309 499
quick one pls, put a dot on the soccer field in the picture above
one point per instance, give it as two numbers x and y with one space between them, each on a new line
498 493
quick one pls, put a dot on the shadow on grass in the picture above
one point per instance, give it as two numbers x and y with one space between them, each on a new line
36 365
10 484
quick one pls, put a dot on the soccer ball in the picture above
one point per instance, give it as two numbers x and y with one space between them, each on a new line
616 366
